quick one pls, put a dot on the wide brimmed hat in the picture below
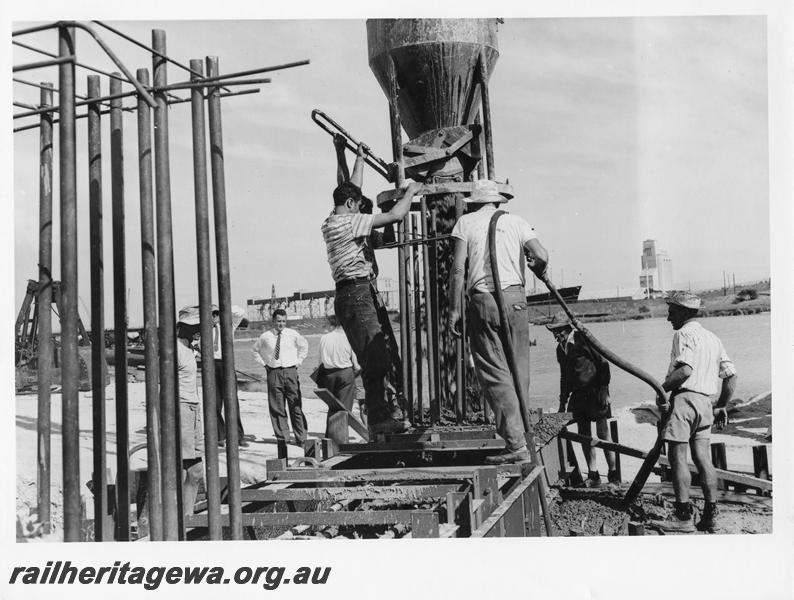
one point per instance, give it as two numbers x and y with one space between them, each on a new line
485 191
189 315
685 299
555 327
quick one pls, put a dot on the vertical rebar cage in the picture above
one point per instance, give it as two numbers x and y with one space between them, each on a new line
162 516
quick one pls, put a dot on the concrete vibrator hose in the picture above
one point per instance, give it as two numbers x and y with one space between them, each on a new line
507 344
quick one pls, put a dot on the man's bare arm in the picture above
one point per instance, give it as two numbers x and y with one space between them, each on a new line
357 177
456 287
728 387
676 378
400 209
342 174
536 255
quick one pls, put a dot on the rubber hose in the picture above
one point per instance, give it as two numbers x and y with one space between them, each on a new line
653 455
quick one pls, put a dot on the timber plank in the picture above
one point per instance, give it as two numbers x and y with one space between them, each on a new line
372 475
290 519
333 403
494 520
408 493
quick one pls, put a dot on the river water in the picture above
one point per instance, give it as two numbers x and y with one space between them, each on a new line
646 344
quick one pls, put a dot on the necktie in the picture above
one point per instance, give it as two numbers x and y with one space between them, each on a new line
215 337
278 346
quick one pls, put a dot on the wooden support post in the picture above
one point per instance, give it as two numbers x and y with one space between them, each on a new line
424 524
562 452
313 448
459 512
636 528
487 489
574 476
273 465
761 464
532 513
330 449
719 460
613 432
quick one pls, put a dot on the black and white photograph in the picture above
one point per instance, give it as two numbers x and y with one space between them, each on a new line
391 283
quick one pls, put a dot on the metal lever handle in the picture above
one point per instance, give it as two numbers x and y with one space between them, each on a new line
331 127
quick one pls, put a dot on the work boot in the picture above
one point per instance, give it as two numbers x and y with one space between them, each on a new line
388 425
593 480
708 521
613 477
679 522
508 456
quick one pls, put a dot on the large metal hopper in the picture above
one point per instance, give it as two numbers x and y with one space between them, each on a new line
435 63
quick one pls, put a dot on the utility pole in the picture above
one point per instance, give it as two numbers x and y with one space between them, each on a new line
734 284
724 286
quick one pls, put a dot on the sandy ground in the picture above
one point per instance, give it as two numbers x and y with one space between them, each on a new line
259 432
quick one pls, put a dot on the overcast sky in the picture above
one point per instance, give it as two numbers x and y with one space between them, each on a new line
611 130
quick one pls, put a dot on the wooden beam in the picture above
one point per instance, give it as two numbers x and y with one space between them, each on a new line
496 516
290 519
408 493
372 475
333 403
437 446
424 524
730 476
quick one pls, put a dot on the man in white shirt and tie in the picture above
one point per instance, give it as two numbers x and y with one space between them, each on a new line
281 350
238 314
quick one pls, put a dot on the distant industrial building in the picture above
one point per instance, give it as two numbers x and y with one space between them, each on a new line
656 276
312 305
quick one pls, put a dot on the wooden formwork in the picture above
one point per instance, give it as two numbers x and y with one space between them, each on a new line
466 499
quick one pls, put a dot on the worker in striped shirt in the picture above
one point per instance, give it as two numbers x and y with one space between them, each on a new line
357 305
698 362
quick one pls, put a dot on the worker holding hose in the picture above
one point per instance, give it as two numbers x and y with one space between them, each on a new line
698 361
514 241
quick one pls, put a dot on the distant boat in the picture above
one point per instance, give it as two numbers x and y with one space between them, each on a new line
569 294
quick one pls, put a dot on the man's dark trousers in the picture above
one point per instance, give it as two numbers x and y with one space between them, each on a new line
355 308
283 393
342 384
220 384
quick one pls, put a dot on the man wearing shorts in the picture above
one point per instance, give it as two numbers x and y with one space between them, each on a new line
698 361
584 391
188 329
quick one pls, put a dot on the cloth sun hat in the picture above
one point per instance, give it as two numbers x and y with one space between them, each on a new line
685 299
485 190
189 315
555 327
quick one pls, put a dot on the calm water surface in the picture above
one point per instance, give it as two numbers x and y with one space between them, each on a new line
646 344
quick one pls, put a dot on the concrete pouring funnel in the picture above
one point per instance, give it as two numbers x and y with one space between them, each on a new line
435 62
